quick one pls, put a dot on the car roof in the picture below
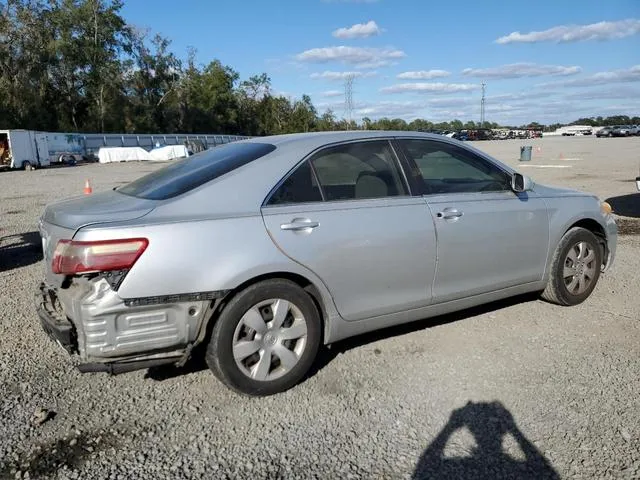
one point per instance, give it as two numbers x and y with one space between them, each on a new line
250 184
312 140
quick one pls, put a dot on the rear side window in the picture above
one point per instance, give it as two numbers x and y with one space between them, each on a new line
185 175
299 187
359 170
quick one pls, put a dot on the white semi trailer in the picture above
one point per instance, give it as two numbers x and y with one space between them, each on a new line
24 149
29 149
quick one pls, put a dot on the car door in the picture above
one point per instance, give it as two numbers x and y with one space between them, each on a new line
489 237
346 214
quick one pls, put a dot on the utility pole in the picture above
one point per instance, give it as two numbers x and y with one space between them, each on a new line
348 98
482 106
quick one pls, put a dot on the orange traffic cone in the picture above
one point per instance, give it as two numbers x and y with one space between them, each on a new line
87 188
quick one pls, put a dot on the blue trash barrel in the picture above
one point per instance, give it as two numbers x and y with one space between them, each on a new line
525 154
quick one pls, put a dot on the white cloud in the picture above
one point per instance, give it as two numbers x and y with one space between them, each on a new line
615 93
452 102
332 93
374 64
329 75
359 30
423 74
532 94
429 87
576 33
627 75
518 70
351 55
389 109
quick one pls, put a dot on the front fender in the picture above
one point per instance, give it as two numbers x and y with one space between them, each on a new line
567 211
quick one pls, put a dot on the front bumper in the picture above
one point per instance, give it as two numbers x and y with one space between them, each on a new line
53 322
611 231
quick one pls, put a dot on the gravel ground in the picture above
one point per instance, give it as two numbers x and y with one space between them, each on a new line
517 389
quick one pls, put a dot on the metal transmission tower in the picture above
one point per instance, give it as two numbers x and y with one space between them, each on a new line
348 98
482 106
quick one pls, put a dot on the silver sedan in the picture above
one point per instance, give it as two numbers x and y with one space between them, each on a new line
263 250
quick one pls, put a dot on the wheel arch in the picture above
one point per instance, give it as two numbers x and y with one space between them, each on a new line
597 229
302 281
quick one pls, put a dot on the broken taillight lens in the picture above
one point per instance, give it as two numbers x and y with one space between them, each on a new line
72 257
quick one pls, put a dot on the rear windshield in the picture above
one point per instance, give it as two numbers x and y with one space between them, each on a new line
185 175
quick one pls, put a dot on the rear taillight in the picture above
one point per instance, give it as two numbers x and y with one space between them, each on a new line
73 257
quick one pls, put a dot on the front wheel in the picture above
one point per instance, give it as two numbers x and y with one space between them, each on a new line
266 338
575 268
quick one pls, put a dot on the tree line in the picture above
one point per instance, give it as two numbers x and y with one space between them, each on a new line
77 65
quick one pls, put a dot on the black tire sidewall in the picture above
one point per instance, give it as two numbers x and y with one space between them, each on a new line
220 352
578 235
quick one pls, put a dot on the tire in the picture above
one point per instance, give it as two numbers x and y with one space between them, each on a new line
231 332
26 165
563 290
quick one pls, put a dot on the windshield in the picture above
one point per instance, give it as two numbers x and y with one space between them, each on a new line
185 175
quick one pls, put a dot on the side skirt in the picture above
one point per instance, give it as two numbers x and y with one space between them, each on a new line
340 329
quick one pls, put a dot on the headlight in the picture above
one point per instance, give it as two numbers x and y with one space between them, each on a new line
605 208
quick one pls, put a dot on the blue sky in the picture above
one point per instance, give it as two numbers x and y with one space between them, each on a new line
545 61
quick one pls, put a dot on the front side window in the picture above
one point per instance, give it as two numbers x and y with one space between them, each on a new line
359 171
447 168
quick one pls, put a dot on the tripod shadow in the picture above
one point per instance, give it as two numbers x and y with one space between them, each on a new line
490 425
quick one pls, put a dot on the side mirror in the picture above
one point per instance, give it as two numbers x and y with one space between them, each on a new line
521 183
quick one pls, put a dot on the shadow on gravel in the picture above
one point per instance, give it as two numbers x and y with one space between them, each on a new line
47 459
626 205
20 250
327 354
491 425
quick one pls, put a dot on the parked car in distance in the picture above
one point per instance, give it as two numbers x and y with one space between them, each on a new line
605 132
265 249
634 130
621 131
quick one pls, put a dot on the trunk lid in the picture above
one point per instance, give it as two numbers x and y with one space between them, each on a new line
61 220
109 206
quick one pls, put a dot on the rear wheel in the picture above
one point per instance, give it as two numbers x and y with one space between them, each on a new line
575 268
26 165
265 339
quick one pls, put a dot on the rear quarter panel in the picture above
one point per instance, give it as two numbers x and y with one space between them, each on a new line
201 256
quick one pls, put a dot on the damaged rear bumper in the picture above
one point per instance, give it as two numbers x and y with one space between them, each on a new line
109 334
55 324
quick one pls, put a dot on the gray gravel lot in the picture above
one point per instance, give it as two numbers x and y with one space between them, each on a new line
561 384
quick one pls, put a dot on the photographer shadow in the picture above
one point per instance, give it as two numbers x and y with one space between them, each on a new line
490 425
20 250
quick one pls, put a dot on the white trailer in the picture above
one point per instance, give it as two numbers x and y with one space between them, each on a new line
29 149
23 149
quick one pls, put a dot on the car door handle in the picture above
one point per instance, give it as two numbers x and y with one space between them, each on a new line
449 213
299 224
